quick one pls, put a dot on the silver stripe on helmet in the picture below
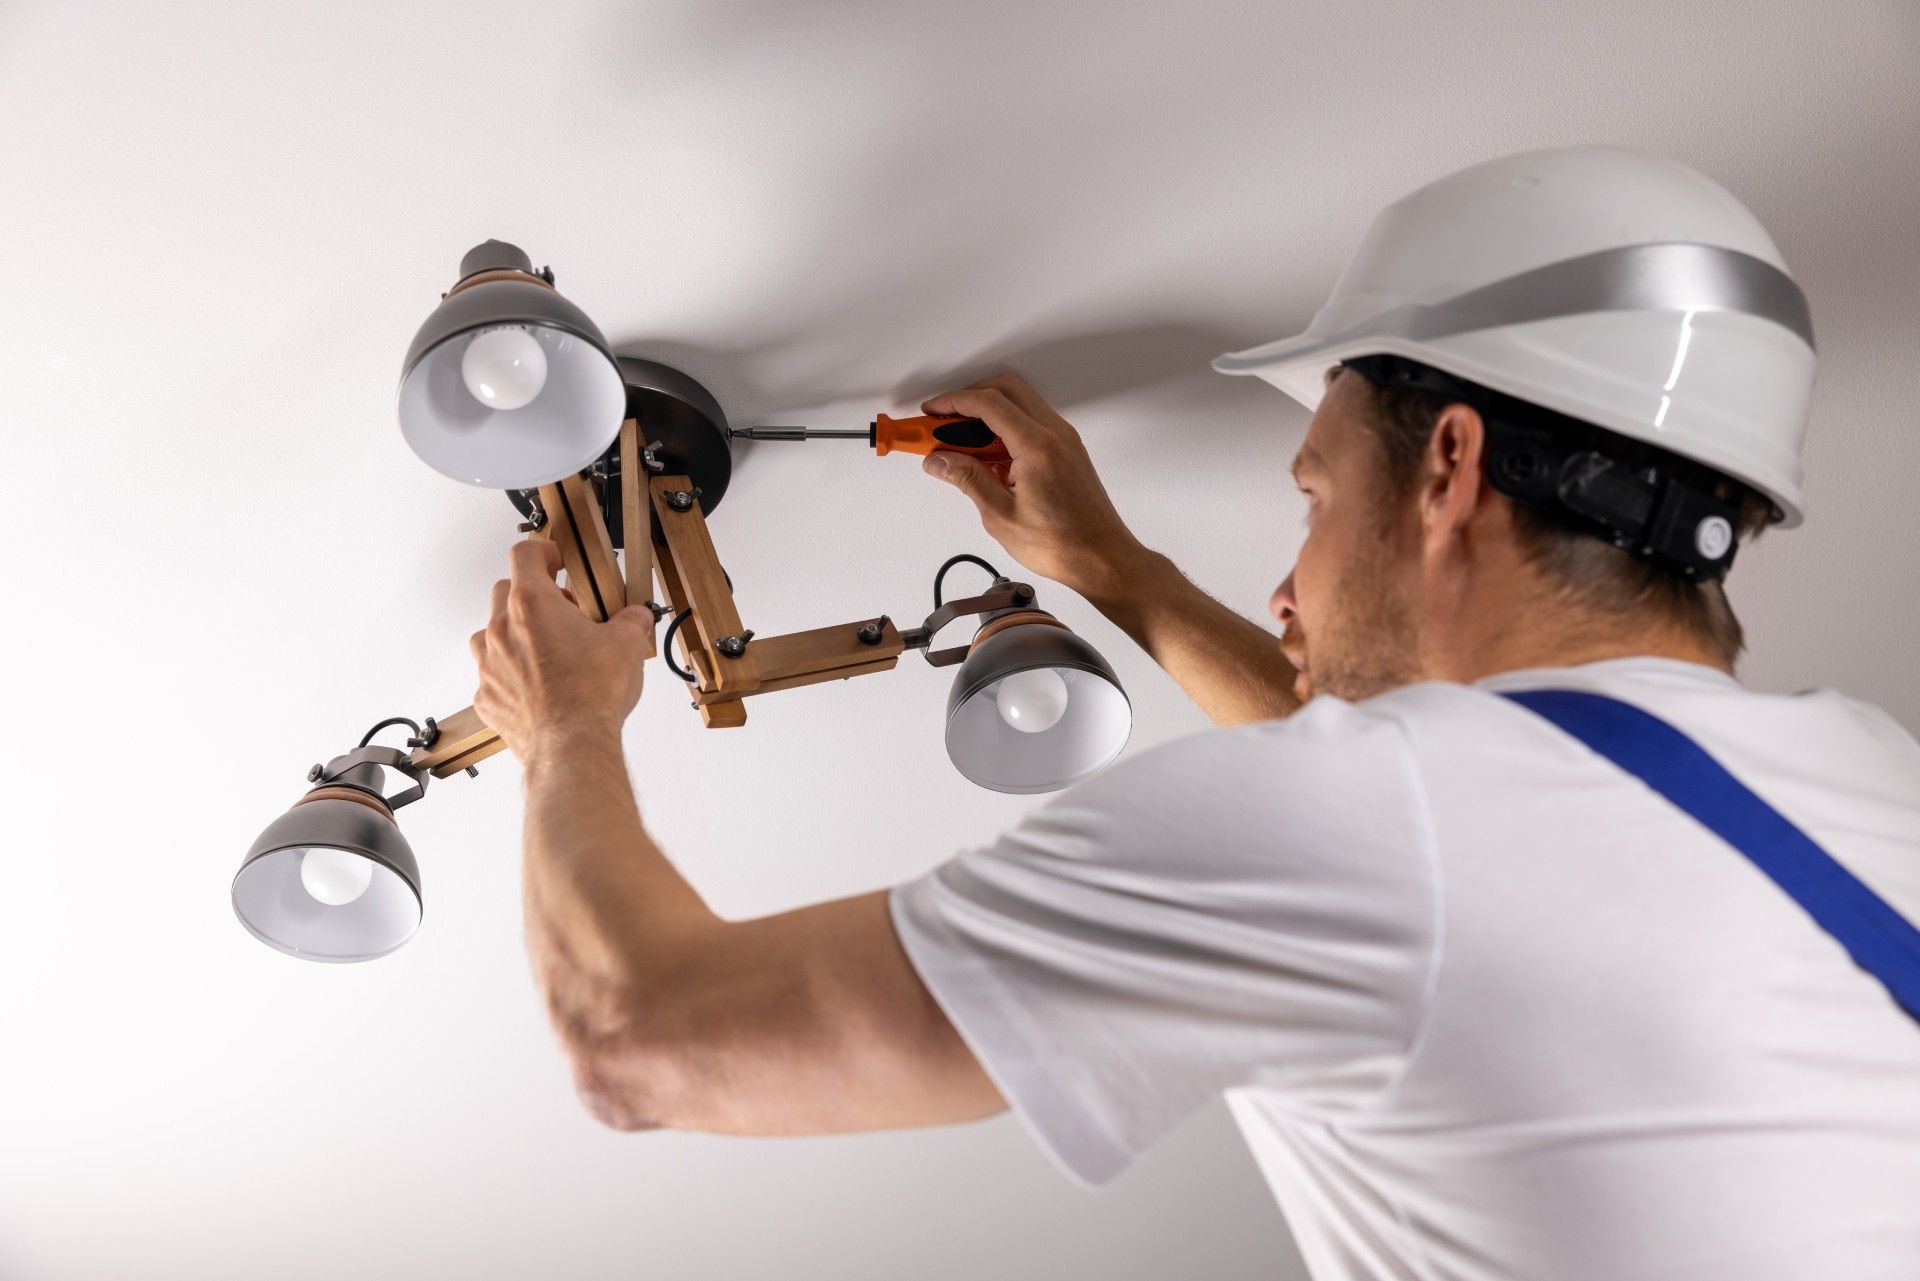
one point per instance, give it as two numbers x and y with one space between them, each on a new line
1663 277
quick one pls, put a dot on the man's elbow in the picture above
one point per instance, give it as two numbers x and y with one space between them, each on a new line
612 1099
621 1071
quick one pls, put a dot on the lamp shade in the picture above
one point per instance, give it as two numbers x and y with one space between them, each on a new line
566 401
357 899
1067 716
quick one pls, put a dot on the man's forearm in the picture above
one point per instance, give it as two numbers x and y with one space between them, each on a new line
606 911
1228 664
806 1022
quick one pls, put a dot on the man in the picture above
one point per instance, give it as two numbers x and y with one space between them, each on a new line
1484 1003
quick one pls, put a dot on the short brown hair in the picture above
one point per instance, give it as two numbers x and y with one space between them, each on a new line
1588 571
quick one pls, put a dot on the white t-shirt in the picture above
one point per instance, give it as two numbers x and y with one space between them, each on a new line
1484 1005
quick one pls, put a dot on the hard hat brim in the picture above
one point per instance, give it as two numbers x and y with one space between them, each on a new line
1543 335
1298 365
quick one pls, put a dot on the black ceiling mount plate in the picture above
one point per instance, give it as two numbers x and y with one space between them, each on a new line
683 422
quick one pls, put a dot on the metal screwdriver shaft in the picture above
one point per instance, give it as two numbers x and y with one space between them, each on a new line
798 433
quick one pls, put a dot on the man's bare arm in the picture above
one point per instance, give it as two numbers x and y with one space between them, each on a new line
1050 511
1227 663
807 1022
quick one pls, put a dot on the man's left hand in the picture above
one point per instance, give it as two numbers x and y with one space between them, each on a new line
547 671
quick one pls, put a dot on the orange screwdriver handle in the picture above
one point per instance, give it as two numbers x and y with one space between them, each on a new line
938 433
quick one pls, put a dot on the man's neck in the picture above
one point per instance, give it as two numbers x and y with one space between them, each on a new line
1554 634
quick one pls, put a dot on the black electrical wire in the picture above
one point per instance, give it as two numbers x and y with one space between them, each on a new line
666 642
666 645
940 575
392 720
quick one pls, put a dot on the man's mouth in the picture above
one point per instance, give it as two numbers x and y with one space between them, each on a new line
1294 651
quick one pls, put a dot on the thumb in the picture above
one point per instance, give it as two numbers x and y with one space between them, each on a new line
972 478
637 620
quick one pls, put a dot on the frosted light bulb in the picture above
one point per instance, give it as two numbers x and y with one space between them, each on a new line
335 877
504 368
1032 702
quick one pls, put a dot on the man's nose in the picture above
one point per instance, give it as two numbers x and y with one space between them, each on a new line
1282 604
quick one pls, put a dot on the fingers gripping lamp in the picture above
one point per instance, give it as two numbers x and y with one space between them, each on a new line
619 461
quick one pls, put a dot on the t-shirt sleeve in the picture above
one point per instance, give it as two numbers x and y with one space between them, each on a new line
1254 906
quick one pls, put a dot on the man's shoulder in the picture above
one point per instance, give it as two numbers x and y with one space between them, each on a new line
1378 721
1331 754
1330 797
1336 752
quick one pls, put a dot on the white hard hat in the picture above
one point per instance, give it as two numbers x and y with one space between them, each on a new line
1619 288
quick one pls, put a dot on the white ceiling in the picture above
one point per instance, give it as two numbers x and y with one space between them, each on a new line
222 223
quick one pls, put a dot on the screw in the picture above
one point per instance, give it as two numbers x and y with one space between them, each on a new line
733 646
315 774
870 634
473 771
679 499
1023 597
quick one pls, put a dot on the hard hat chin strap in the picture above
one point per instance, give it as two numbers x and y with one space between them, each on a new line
1562 466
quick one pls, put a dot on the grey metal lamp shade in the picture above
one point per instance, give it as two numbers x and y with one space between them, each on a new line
1086 738
271 900
569 423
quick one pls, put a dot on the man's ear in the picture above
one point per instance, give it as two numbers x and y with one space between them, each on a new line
1453 480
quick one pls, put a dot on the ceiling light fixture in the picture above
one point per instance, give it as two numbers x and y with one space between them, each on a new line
619 461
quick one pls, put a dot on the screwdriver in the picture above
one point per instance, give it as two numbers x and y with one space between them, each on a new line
930 433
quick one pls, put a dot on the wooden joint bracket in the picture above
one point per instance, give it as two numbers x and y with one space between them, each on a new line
666 536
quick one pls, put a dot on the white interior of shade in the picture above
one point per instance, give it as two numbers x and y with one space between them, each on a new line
1088 736
568 425
271 901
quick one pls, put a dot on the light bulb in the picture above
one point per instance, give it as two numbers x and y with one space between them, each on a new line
335 877
1032 701
504 368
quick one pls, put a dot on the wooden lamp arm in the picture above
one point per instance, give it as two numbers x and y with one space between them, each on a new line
667 535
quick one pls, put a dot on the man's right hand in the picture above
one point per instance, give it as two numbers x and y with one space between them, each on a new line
1050 510
1048 507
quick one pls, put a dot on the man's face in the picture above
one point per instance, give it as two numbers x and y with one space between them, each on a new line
1347 605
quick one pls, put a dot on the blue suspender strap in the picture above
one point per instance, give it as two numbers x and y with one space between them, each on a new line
1879 939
